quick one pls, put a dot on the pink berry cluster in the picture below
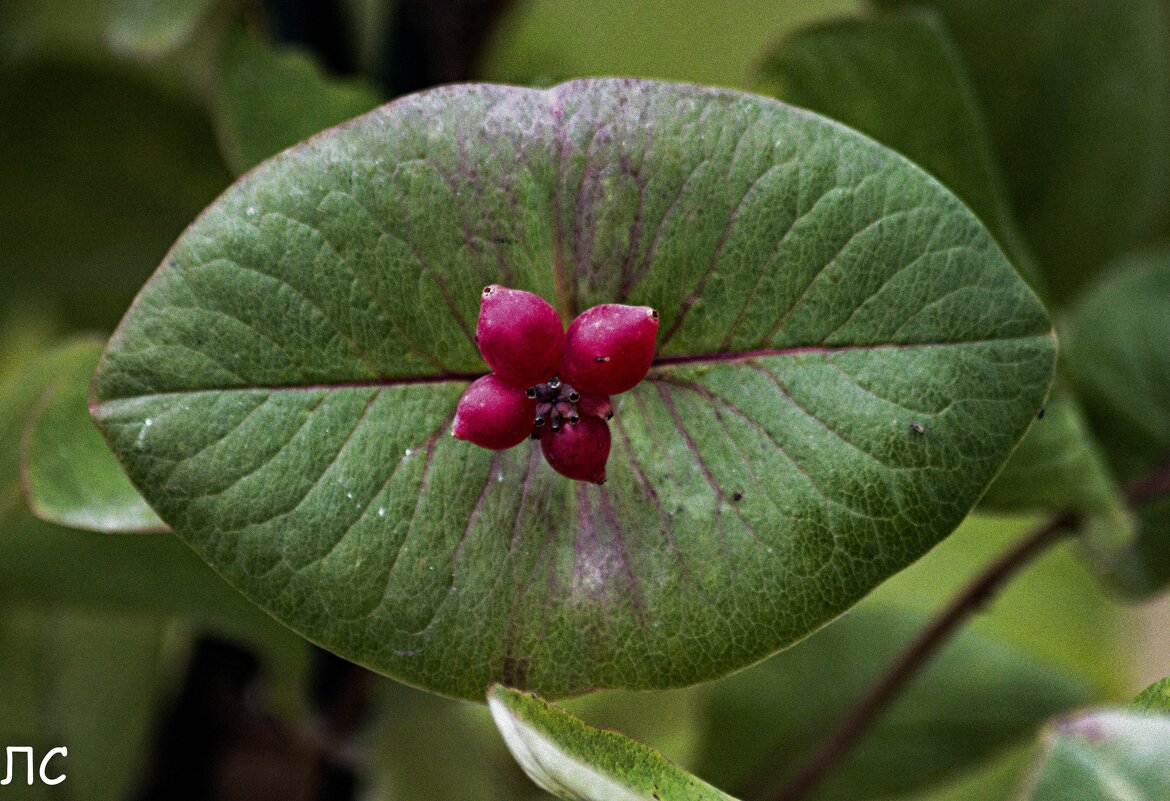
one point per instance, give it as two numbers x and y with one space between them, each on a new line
551 384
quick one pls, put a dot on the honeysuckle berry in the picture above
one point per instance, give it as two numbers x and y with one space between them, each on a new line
595 406
493 414
579 451
551 385
608 348
519 335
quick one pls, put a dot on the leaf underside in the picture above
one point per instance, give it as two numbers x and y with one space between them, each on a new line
580 763
844 360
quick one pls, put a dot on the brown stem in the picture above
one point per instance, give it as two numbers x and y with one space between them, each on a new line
920 652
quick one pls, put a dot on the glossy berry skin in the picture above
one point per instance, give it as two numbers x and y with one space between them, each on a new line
519 335
493 414
595 406
579 451
608 348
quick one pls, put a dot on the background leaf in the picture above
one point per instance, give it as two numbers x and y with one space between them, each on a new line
897 77
1107 754
548 41
977 697
1077 103
281 390
69 475
70 680
97 28
103 169
1155 698
1116 354
579 763
269 99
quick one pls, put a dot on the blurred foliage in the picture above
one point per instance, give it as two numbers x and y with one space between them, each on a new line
121 119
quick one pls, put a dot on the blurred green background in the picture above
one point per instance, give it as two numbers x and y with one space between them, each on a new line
119 121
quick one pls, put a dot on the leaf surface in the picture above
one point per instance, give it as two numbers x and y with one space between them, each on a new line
579 763
1155 698
1105 755
898 78
70 478
844 359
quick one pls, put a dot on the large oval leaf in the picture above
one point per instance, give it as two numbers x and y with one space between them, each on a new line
845 358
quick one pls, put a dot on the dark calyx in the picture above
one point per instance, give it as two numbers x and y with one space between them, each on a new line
556 404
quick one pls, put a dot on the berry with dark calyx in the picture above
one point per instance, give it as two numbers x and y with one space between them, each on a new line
519 335
595 406
608 348
579 451
493 414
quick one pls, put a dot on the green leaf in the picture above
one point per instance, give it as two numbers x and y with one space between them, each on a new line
580 763
102 171
844 360
1077 102
1058 467
152 29
268 99
1155 698
69 475
897 77
550 40
21 389
412 757
143 29
1115 348
1105 755
977 697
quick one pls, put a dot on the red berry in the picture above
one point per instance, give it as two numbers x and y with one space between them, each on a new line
493 414
579 451
608 348
519 335
595 406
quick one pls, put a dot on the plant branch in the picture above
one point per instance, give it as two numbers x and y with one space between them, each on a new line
920 652
867 711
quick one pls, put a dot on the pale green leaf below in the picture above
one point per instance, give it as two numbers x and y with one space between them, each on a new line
1155 698
579 763
1116 352
424 767
1104 755
69 476
845 359
269 98
1077 101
